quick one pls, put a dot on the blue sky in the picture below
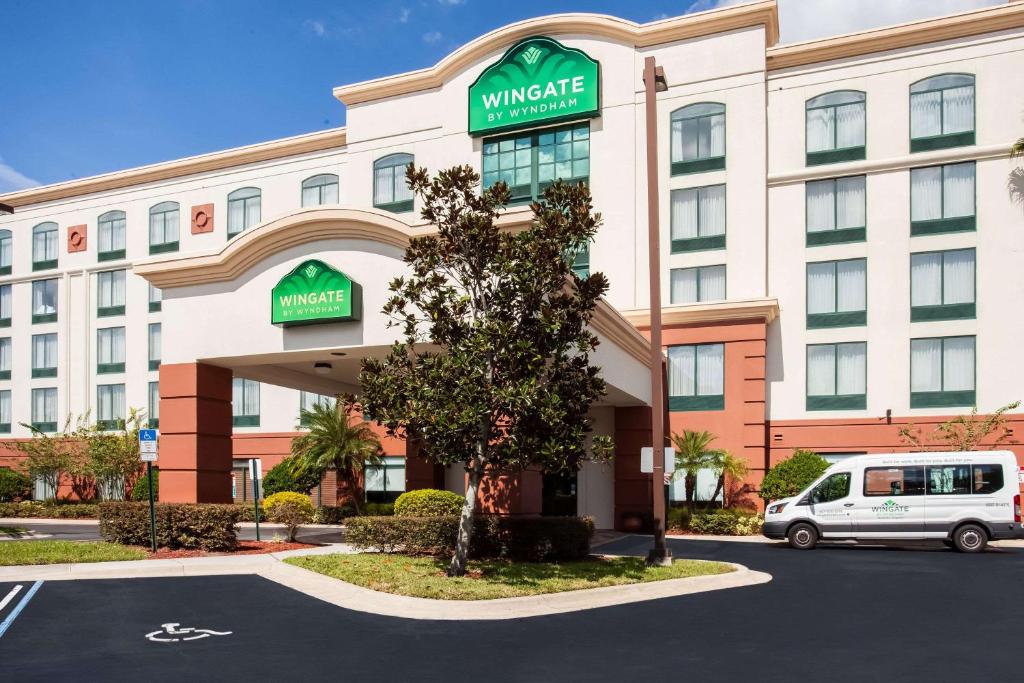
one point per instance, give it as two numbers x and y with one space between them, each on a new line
92 87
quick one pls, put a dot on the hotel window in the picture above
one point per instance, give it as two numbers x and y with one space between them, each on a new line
837 293
390 191
154 346
110 294
308 399
320 189
110 350
44 246
243 210
153 410
836 210
694 285
385 481
164 222
6 302
5 412
245 402
6 252
44 301
942 112
696 377
5 357
942 285
942 199
697 215
581 263
837 376
698 138
156 298
112 236
110 406
835 127
44 355
530 162
44 409
942 372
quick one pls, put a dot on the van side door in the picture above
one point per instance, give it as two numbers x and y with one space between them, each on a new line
829 505
892 504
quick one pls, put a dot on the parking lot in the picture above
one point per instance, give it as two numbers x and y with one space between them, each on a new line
836 613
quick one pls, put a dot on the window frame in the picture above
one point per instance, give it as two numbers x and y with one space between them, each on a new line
902 494
108 219
834 401
387 462
112 423
45 426
244 419
936 226
698 402
836 235
154 363
943 398
684 245
113 309
537 186
40 318
5 373
699 269
944 311
308 184
6 247
233 198
836 318
942 140
6 292
151 421
400 206
49 228
700 164
157 305
113 366
835 155
165 246
5 397
45 370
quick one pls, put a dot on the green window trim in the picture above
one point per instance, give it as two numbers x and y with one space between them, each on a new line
109 368
838 402
933 142
396 163
6 322
44 265
5 270
397 207
245 420
944 140
943 312
153 423
45 426
936 226
115 255
44 372
709 243
942 399
701 164
840 236
109 425
107 311
835 156
835 318
817 321
696 403
5 427
581 263
155 306
856 233
154 365
698 166
814 402
163 248
38 318
5 374
526 194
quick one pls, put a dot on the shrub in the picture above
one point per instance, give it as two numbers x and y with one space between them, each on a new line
330 514
791 476
14 486
247 512
678 518
379 509
141 489
178 525
289 508
49 510
429 503
726 523
285 476
532 539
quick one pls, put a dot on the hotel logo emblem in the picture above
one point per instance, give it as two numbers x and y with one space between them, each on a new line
532 54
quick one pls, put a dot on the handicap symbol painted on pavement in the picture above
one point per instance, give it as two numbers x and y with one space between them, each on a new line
172 630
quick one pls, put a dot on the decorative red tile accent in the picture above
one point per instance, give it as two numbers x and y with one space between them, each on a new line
77 235
202 218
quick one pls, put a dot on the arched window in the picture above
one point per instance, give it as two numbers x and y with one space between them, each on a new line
698 138
835 127
243 209
44 246
164 221
320 189
942 112
389 189
6 252
112 236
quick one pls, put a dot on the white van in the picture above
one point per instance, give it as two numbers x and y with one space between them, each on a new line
962 499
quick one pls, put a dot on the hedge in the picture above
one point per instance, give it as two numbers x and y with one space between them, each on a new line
14 485
530 539
429 503
201 526
41 510
716 522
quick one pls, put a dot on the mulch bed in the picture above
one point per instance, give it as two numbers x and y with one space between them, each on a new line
244 548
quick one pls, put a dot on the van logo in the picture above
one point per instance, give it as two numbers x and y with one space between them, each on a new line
532 54
890 508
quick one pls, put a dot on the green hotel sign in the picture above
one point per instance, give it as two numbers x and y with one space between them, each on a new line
315 293
538 80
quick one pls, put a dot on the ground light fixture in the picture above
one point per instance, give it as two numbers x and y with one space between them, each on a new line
322 368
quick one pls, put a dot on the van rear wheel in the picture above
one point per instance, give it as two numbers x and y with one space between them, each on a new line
802 536
970 538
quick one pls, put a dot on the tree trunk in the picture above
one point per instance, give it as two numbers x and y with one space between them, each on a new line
720 488
690 484
457 567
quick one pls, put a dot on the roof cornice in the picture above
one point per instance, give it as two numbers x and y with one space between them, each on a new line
759 13
964 24
761 310
239 156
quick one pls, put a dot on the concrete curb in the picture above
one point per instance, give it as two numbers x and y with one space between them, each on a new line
271 566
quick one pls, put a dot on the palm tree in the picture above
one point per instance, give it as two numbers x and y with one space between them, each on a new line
692 455
335 440
728 465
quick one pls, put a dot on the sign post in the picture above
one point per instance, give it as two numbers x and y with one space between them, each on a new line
148 454
256 472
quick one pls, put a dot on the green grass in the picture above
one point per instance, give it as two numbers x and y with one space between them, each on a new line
423 577
58 552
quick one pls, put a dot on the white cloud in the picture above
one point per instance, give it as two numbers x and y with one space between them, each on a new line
403 15
316 26
432 37
11 180
451 3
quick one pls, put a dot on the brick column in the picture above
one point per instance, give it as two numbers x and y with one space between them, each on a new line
513 493
632 487
420 473
195 433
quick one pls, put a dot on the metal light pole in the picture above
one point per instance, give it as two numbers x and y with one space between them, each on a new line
654 82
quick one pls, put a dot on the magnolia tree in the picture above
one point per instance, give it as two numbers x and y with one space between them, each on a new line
494 371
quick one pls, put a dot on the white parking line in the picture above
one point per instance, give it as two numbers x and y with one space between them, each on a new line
10 596
17 609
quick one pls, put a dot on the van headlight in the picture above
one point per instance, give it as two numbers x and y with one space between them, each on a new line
776 509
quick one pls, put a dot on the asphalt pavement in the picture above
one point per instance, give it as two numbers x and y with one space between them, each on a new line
832 614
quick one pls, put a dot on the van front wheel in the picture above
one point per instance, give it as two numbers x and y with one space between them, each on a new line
970 538
802 536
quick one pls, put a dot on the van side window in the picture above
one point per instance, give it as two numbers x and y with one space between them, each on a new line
949 479
988 478
894 481
834 488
